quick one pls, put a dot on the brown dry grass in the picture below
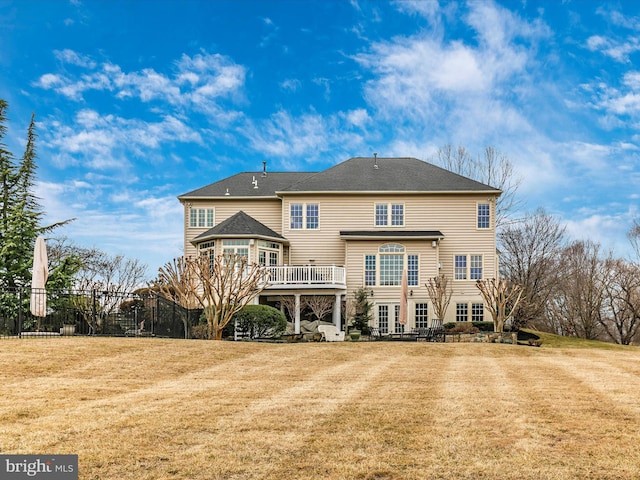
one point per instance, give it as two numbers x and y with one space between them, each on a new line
169 409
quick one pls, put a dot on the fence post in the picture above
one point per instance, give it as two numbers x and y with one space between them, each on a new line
19 312
93 312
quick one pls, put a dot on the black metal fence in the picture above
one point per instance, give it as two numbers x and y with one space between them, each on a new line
40 312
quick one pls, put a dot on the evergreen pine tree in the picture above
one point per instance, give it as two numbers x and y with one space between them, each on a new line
22 225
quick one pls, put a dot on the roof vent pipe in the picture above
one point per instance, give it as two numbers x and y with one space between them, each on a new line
264 168
375 160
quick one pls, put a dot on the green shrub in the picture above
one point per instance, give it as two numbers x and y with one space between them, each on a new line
260 321
483 326
463 327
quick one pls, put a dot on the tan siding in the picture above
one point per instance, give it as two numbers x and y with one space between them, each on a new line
453 215
266 211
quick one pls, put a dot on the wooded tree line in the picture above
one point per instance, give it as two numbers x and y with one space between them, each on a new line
569 287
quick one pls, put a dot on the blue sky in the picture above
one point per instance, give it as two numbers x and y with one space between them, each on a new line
140 101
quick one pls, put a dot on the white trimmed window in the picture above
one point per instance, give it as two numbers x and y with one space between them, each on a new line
383 319
209 249
268 253
477 312
201 217
385 268
391 263
484 215
422 318
304 216
389 215
397 326
412 270
462 312
467 267
238 247
370 270
460 267
475 267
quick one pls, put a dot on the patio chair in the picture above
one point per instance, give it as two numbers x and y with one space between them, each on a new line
331 333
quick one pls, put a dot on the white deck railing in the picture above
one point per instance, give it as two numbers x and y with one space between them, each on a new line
307 275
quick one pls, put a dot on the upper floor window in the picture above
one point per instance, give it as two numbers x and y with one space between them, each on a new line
484 215
475 267
304 216
389 214
201 217
460 267
467 267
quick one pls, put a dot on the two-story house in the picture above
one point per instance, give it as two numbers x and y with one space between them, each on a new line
357 224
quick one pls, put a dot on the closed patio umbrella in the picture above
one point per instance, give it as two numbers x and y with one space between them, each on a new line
404 292
39 279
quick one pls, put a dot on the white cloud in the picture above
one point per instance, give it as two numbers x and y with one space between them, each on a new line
198 82
619 50
431 81
308 137
105 142
74 58
593 226
290 84
359 117
50 80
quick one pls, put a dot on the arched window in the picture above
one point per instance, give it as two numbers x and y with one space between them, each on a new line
385 267
391 264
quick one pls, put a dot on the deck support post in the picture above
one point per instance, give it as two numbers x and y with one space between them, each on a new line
336 310
296 327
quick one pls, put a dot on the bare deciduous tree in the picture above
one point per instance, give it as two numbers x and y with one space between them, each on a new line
319 305
621 317
634 237
576 306
102 282
501 297
528 255
289 304
178 281
493 168
223 287
440 293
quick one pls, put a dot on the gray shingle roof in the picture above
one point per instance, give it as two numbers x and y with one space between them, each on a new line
238 226
242 185
387 175
359 174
